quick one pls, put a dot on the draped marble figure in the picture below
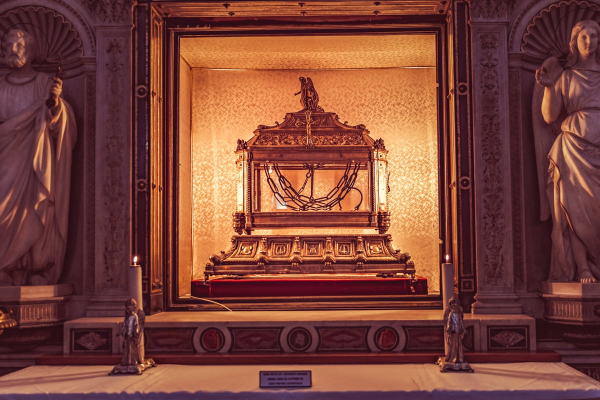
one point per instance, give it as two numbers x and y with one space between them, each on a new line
570 98
36 142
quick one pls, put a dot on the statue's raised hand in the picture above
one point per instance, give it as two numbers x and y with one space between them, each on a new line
55 91
56 87
549 72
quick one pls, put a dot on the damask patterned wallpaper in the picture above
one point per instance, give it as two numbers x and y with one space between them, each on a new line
396 104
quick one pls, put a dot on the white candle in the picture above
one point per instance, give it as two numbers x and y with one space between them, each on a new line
135 283
447 289
447 282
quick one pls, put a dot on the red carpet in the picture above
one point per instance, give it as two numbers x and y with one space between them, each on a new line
270 286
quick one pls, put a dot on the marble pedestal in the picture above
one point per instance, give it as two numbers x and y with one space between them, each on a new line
37 310
574 309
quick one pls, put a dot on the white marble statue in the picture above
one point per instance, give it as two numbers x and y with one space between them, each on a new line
36 142
571 99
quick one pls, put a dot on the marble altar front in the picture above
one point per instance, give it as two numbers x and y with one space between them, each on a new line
407 381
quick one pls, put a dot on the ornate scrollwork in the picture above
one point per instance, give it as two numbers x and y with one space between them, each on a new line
493 217
310 253
298 139
241 145
488 9
112 11
261 254
91 341
328 257
239 220
383 221
114 181
379 145
508 338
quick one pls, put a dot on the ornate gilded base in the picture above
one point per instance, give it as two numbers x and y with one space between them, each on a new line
136 369
310 254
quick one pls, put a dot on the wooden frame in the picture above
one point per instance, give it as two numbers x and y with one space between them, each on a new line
161 279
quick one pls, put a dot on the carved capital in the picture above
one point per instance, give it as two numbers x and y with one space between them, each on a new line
489 9
111 11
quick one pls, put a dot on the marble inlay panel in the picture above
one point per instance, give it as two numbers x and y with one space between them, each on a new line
255 339
169 340
343 338
91 340
505 338
425 338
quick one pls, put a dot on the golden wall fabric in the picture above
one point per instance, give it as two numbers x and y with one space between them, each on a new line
396 104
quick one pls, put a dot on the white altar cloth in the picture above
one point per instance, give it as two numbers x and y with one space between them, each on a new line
346 382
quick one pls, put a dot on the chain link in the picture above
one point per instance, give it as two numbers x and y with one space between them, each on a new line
295 200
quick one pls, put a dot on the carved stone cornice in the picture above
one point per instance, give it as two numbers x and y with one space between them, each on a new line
489 9
111 11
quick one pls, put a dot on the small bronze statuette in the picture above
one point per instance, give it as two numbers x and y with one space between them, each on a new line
132 331
308 95
454 331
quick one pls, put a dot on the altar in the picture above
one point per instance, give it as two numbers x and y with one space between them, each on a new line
312 167
494 381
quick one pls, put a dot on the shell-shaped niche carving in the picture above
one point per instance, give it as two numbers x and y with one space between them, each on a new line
57 41
550 31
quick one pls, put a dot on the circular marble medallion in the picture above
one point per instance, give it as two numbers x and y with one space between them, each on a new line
299 339
386 338
212 340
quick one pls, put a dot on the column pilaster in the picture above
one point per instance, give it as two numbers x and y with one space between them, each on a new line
491 141
113 158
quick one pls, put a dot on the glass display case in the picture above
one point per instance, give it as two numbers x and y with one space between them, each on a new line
311 171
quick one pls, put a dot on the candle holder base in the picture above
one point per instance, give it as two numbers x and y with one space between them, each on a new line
135 369
454 367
